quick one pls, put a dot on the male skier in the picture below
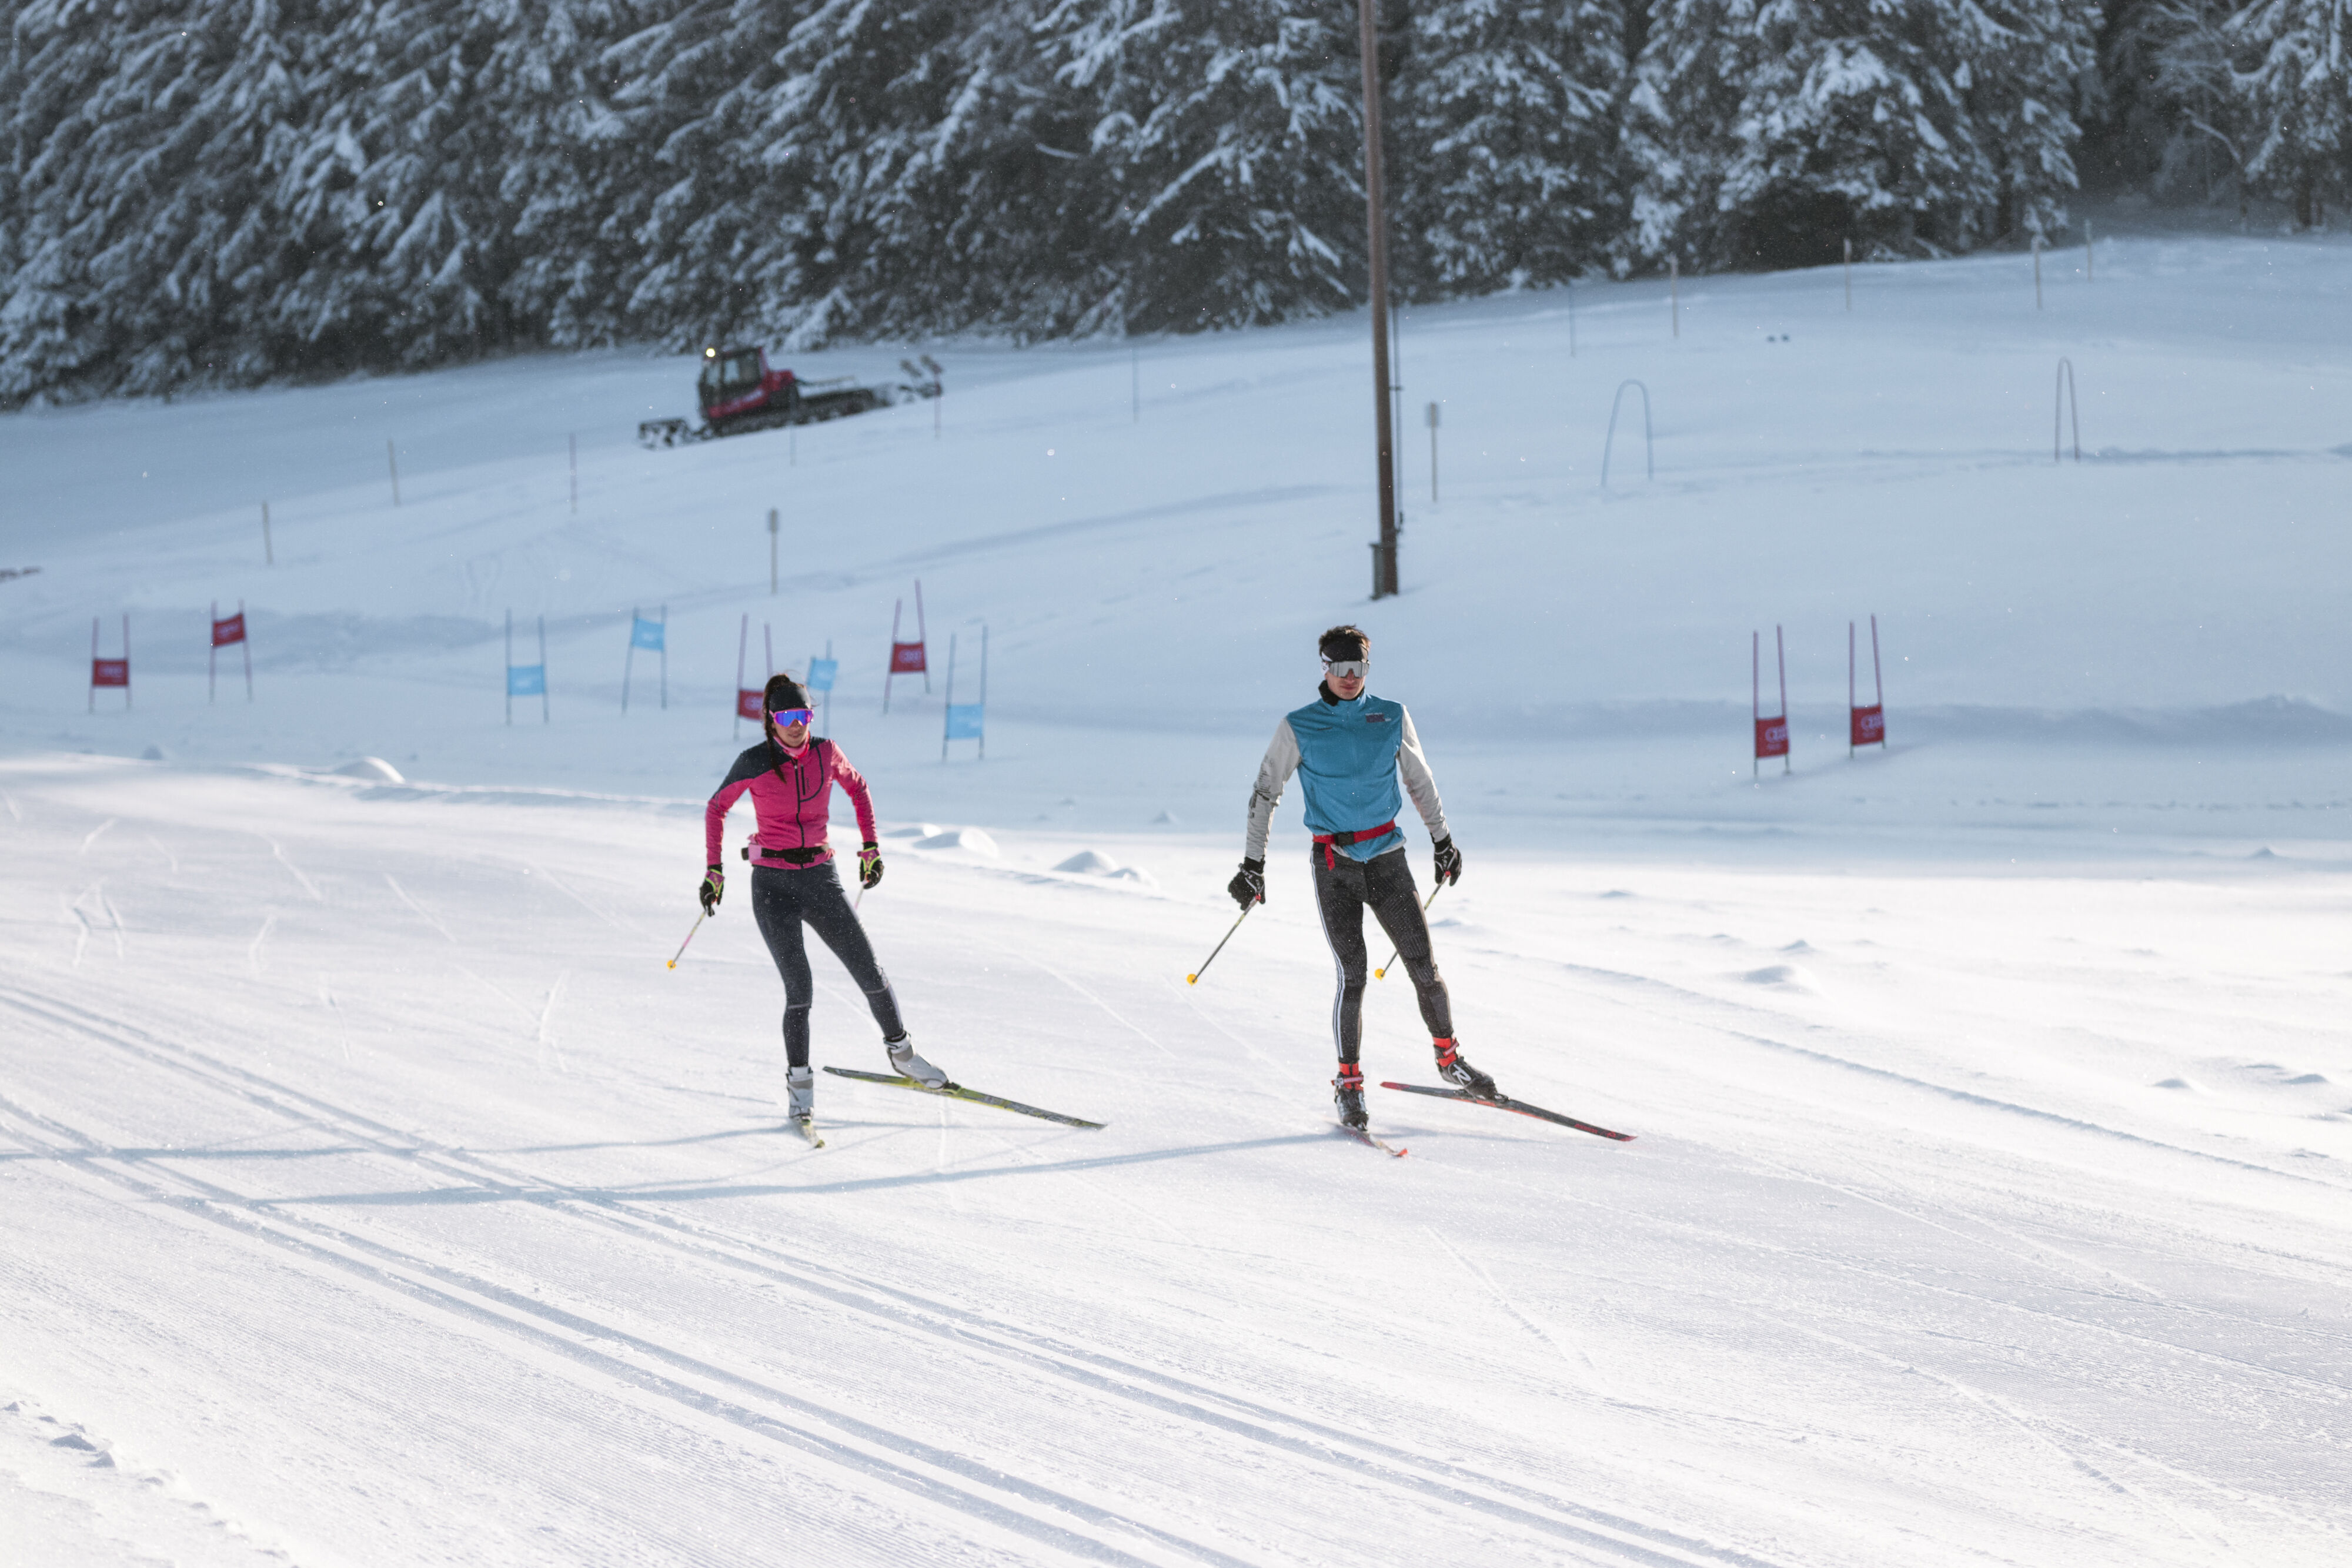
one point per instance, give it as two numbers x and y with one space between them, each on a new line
1350 749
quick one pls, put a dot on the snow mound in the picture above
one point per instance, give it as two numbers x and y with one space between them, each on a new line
154 754
1091 862
919 831
1167 819
1136 874
1788 977
2178 1083
970 839
373 768
1799 945
2312 1078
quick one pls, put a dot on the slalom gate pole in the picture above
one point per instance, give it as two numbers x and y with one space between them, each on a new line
690 936
1195 978
1383 972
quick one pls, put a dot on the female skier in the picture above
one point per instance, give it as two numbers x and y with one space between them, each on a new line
791 778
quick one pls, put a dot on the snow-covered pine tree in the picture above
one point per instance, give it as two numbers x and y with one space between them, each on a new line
928 140
1504 128
1232 130
144 137
2294 85
574 167
1768 130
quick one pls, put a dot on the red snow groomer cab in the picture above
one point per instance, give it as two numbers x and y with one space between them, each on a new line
737 392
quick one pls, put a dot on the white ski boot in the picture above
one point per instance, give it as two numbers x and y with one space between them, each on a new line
903 1059
801 1083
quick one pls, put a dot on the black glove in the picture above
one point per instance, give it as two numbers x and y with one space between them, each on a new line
714 883
1248 885
1449 861
869 864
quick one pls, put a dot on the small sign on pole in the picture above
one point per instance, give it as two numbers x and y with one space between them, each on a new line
227 634
1865 726
528 680
654 637
110 673
1771 734
964 720
907 658
821 675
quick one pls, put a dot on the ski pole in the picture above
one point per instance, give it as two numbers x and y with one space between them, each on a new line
1195 978
690 936
1383 972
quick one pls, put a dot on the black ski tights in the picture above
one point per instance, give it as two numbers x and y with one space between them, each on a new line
1341 893
781 901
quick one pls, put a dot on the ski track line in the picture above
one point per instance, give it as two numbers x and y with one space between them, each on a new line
1653 1545
165 851
480 1300
1589 1374
402 893
279 850
1904 1282
1964 1096
2001 1408
92 836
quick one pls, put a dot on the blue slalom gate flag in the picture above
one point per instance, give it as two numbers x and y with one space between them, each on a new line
645 634
821 674
526 680
964 721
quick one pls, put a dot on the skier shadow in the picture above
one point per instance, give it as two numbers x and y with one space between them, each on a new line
654 1192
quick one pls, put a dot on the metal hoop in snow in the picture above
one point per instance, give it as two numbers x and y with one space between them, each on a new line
1649 446
2067 403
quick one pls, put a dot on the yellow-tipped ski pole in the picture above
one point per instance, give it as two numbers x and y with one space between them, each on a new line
690 936
1383 972
1195 978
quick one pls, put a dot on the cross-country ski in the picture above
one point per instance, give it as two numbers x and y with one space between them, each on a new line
957 1091
1504 1102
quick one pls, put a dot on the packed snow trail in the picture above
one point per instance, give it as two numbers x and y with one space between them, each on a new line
455 1216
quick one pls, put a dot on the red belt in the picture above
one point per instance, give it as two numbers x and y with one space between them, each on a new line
1331 860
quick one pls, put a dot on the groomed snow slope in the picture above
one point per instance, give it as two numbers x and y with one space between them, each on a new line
373 1194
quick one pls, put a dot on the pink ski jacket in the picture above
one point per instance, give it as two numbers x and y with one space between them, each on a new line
790 795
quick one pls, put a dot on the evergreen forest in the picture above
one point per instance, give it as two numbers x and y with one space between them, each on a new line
201 192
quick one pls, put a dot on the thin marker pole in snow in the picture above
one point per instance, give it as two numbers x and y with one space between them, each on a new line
269 556
1195 978
212 655
1433 455
922 637
2066 402
743 646
1878 684
244 640
947 721
1674 293
1383 972
1849 276
392 459
629 659
1781 652
771 551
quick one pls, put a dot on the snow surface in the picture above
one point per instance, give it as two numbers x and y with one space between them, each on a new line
374 1193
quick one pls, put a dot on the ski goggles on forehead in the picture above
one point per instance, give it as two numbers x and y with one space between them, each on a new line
786 717
1346 669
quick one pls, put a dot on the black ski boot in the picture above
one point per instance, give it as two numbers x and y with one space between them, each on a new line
1348 1094
1455 1070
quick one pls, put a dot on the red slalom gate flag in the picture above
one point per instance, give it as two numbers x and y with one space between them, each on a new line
907 659
110 673
1869 727
1772 737
747 704
230 631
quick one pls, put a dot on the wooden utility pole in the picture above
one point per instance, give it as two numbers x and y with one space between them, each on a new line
1384 554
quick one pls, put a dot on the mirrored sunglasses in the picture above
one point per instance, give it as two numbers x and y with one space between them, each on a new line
786 717
1349 669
